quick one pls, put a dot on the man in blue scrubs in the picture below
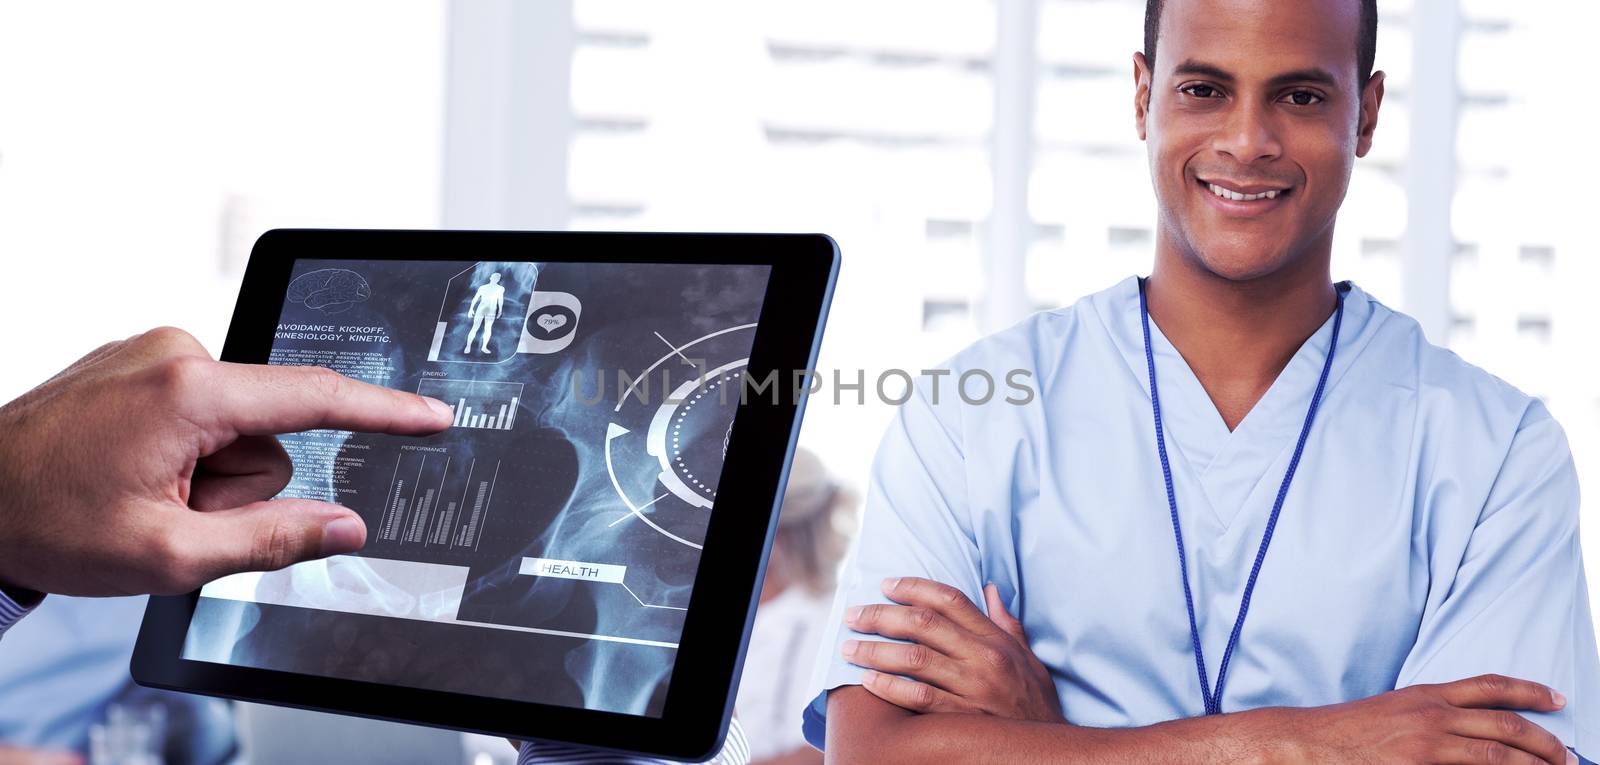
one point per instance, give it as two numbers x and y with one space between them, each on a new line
1251 515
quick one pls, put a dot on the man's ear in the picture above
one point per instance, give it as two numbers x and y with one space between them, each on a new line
1141 92
1371 99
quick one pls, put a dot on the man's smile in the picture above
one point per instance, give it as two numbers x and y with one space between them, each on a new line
1243 199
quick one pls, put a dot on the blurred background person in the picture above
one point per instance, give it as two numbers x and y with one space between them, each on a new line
68 693
813 531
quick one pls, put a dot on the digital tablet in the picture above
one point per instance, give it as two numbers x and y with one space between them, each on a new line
577 558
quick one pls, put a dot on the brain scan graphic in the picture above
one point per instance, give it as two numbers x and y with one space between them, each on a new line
329 290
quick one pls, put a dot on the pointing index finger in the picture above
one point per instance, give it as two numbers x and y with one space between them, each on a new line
259 400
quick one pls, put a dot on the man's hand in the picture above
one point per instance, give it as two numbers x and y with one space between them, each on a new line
145 468
1467 721
962 661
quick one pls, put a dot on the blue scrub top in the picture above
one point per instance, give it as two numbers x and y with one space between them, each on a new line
1430 534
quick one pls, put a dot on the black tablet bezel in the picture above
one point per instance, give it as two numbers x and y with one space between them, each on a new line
711 653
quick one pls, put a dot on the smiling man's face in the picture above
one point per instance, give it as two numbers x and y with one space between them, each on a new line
1253 121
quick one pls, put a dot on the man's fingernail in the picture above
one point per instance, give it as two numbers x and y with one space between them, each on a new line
852 613
1559 699
342 535
439 407
891 583
1572 759
849 647
869 677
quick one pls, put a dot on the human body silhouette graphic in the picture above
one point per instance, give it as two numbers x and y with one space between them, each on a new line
487 305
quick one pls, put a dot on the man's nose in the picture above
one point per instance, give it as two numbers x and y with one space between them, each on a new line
1249 134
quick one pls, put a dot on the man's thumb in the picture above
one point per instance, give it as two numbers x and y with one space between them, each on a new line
1000 616
272 534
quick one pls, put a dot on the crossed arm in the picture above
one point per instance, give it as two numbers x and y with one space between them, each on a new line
869 729
974 693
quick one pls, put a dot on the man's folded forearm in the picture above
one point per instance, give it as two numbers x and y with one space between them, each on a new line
975 739
971 739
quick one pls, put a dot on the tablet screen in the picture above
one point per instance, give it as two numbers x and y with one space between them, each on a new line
544 547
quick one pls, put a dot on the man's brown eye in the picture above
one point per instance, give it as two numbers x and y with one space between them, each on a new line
1200 91
1304 98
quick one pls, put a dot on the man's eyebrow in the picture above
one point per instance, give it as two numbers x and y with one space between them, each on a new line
1315 75
1201 69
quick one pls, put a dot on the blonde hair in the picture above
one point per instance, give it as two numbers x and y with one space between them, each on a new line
814 525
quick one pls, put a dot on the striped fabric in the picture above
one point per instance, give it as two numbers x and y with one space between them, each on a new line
735 751
10 612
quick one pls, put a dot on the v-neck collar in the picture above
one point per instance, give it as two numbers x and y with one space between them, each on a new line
1231 467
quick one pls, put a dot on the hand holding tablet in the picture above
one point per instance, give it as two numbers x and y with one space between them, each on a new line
575 557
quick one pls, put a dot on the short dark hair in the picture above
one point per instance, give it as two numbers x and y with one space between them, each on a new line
1366 39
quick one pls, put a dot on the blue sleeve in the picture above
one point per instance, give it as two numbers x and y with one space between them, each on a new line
1517 603
735 751
11 611
916 522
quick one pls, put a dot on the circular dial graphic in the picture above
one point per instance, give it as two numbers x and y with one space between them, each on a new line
665 452
680 433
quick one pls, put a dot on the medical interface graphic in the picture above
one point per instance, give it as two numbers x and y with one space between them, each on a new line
544 547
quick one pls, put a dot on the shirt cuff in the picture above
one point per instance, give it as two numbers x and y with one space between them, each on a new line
11 611
735 751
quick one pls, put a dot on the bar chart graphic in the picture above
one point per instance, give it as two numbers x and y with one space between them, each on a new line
478 404
436 499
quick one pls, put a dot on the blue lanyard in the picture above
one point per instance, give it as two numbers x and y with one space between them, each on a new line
1213 702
